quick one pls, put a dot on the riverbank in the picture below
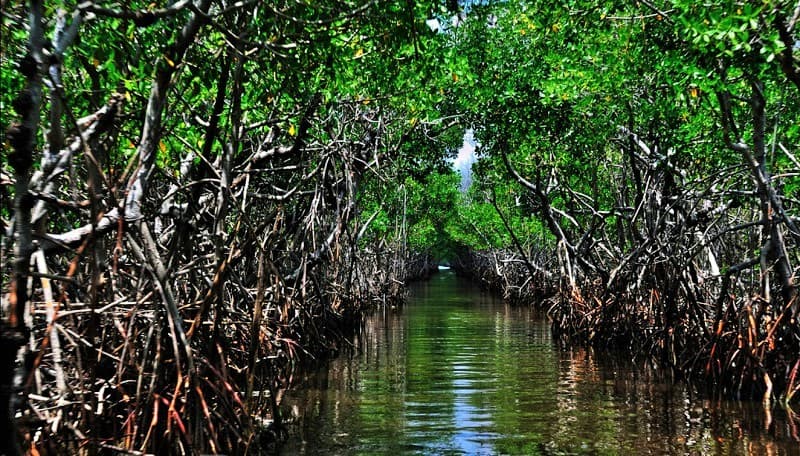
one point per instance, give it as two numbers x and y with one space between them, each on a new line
725 355
512 276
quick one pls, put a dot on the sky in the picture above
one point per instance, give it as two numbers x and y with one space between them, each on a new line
465 159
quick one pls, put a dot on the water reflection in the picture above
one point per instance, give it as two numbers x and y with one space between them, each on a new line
459 372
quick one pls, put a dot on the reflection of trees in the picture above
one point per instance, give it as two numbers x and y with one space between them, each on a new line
449 372
328 413
526 373
574 373
616 404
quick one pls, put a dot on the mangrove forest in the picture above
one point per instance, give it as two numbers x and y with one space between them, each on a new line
203 202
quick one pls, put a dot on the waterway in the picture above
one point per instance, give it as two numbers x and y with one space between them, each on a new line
458 372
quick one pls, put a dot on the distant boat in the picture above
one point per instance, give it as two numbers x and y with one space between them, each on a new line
443 267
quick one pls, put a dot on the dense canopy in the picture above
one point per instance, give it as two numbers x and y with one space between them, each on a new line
198 195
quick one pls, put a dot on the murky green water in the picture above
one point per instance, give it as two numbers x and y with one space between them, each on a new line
458 372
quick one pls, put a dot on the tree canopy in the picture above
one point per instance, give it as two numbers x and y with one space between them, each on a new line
200 193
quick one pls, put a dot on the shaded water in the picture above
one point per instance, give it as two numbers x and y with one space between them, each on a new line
459 372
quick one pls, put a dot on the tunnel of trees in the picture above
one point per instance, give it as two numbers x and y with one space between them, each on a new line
201 196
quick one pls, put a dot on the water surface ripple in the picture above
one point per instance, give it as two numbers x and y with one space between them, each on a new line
457 372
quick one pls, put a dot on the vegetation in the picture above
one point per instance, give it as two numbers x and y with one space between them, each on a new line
655 142
197 195
188 188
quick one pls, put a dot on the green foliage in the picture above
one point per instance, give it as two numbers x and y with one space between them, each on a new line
13 41
432 204
551 83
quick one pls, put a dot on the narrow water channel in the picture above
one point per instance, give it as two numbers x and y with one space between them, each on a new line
457 371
